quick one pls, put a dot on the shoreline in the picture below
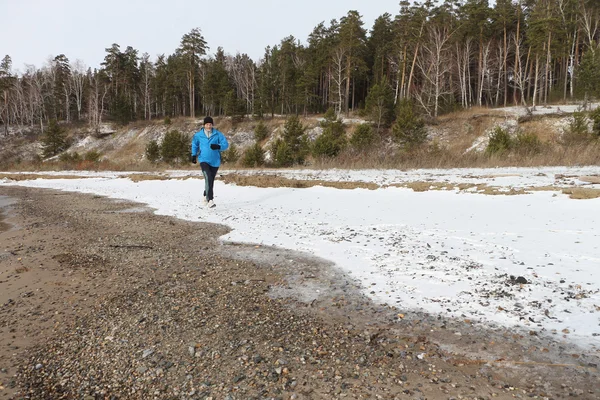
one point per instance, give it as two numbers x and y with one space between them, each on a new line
464 274
5 203
146 250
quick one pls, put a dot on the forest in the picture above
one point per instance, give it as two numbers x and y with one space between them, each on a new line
438 56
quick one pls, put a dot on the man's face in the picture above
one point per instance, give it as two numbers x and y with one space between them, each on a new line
208 126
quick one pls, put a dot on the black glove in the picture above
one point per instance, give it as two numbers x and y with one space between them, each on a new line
193 159
215 146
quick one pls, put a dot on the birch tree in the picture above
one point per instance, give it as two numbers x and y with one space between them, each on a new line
76 85
147 74
434 69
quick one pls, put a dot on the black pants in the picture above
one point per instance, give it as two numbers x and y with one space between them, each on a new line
209 173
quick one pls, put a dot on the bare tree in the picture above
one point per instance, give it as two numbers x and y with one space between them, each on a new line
147 73
97 95
484 75
464 52
395 71
35 80
338 78
520 77
19 104
243 69
434 66
76 84
590 19
501 77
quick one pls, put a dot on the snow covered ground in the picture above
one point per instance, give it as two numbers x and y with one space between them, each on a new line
530 261
546 109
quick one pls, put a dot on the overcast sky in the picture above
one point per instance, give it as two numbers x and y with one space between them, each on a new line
33 30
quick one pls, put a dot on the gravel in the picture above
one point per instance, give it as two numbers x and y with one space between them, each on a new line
131 305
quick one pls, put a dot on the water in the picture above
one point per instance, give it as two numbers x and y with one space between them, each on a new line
5 201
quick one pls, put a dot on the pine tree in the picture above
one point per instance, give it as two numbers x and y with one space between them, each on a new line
61 95
217 86
333 139
175 147
120 69
380 104
380 44
363 137
352 37
261 132
6 82
322 42
193 46
231 156
54 140
286 60
153 151
409 129
281 154
589 75
595 117
293 147
268 82
254 156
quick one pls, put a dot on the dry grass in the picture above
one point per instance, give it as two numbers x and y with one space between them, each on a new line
124 154
546 189
582 193
274 181
577 193
594 179
495 191
456 133
479 189
158 177
277 181
547 133
143 177
471 113
429 157
264 181
29 177
425 186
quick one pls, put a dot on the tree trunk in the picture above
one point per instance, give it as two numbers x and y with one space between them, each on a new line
548 84
575 63
353 93
568 68
348 75
501 73
402 89
529 74
66 91
412 70
517 51
504 67
192 89
480 71
535 85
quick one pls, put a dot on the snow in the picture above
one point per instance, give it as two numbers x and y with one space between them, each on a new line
546 109
451 252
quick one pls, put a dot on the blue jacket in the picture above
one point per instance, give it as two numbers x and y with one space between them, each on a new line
201 147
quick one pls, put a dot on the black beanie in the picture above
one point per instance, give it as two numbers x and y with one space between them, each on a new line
208 120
